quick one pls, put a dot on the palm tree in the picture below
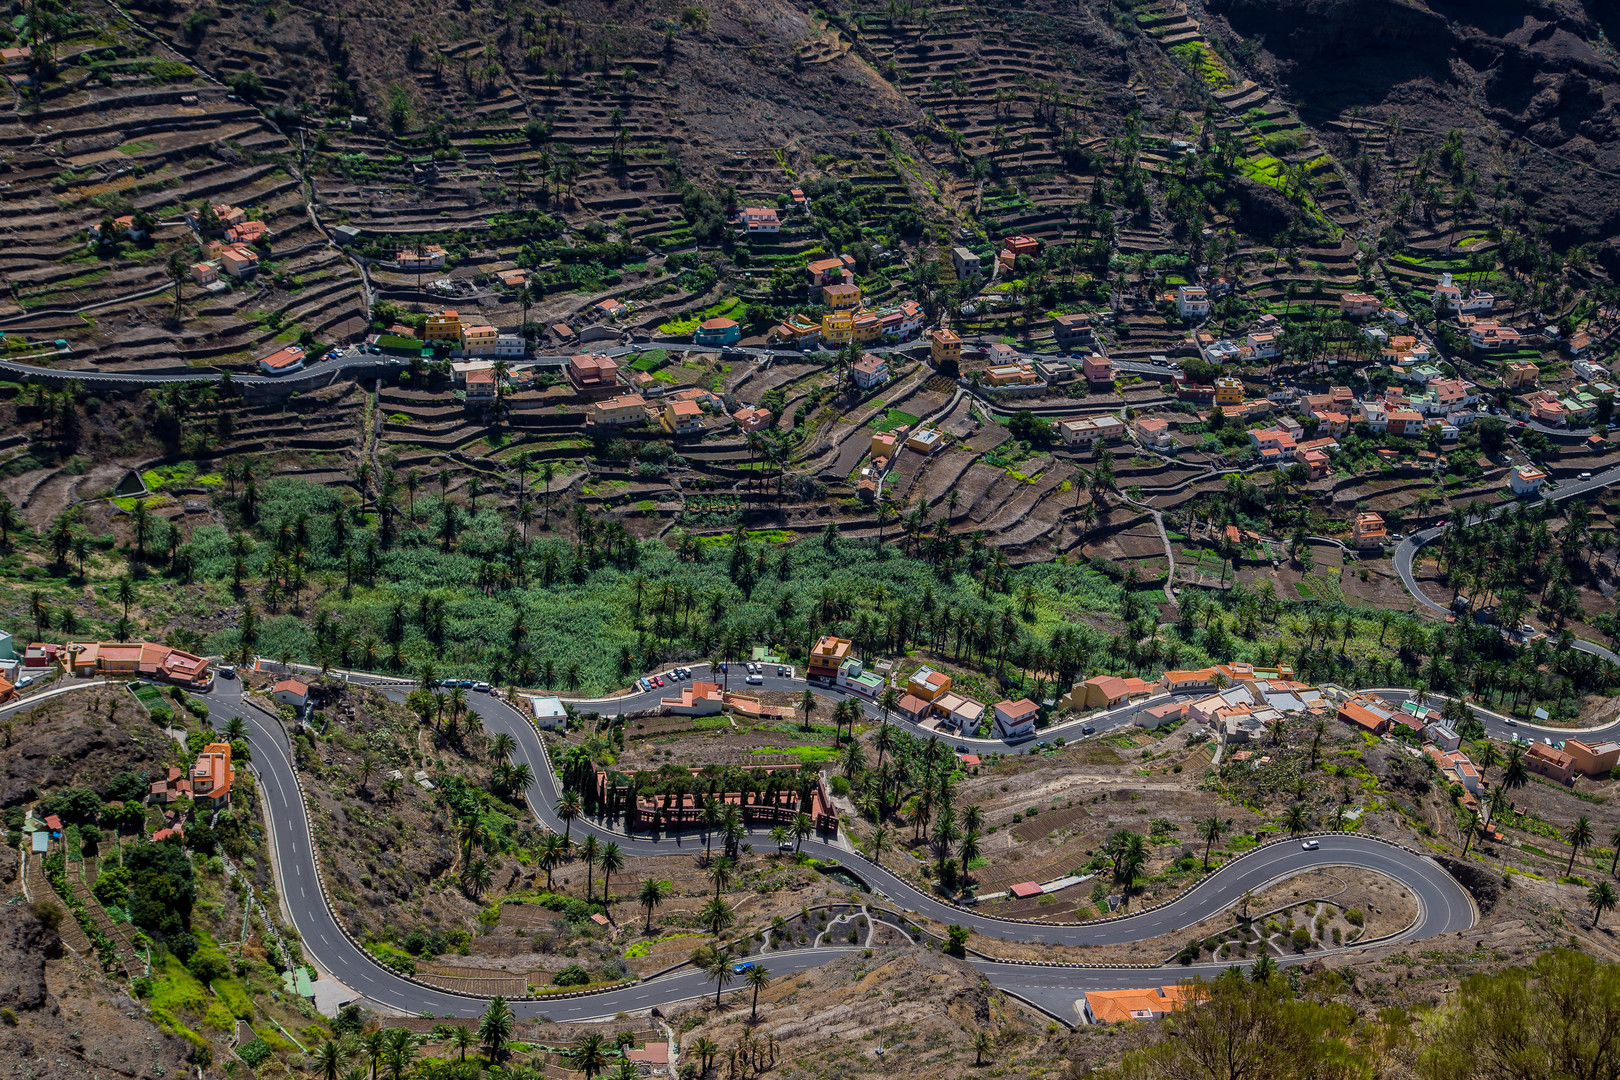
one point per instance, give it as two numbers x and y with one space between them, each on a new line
553 853
588 851
1210 830
1602 898
392 787
779 835
373 1044
568 808
401 1051
463 1038
329 1059
982 1045
969 850
803 826
1263 969
588 1055
495 1028
759 978
716 964
807 702
720 873
610 859
717 915
1579 835
1515 774
651 895
1294 818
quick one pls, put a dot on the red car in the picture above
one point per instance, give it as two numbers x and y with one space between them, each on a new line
658 680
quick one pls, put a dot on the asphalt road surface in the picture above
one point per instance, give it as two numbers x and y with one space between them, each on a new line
1444 906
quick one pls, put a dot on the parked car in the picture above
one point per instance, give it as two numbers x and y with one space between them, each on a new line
644 685
781 669
1311 845
482 687
755 680
228 671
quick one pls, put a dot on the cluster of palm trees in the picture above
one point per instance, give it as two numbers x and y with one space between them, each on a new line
558 851
390 1052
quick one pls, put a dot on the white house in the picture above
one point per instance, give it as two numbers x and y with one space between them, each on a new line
549 713
291 692
1015 720
1526 480
509 345
1192 302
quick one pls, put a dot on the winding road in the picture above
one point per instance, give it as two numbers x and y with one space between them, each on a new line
1406 551
1444 906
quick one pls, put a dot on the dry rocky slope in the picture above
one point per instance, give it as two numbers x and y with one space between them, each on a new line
1534 85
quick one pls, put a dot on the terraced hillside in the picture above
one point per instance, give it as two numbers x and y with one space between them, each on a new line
127 127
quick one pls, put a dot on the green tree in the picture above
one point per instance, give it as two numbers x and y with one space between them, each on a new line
758 978
495 1028
1601 897
1579 836
651 894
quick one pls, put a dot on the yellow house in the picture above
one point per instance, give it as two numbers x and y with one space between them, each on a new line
946 346
1228 390
868 325
1520 373
1103 691
928 684
1010 375
838 327
446 327
479 340
842 297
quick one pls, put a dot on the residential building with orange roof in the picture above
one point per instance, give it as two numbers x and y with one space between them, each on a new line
238 261
1177 682
760 219
445 327
1519 374
1526 480
1597 759
752 419
927 683
1367 531
618 411
479 340
717 331
212 775
683 417
248 232
1102 691
204 273
1358 712
945 346
826 655
292 692
696 699
283 361
1552 763
1358 305
1153 432
1016 719
1124 1006
593 375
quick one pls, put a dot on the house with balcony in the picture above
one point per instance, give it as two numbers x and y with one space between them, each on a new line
752 419
1020 374
717 331
1192 302
945 347
1367 531
413 260
1153 432
1262 345
1491 336
204 273
1526 480
683 417
1098 369
870 371
1072 331
1358 305
1315 461
238 261
832 271
1519 374
1403 422
593 375
1555 765
966 264
1015 720
1085 430
1228 390
620 411
760 219
826 657
479 340
212 775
